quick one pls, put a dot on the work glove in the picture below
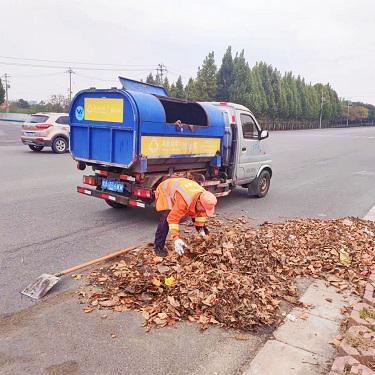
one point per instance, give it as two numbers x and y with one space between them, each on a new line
203 231
179 246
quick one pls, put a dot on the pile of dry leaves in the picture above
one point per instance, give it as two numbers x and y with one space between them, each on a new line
239 276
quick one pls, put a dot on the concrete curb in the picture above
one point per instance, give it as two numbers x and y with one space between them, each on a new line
371 214
301 344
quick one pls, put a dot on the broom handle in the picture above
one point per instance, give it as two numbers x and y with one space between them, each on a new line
94 261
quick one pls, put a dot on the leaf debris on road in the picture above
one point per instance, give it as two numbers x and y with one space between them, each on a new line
238 276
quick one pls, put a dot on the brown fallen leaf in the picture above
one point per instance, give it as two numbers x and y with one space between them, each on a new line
108 303
304 316
173 302
241 337
162 269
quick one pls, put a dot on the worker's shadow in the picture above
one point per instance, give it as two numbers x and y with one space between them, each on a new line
132 214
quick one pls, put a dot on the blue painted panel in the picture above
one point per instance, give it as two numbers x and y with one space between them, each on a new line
122 146
131 85
78 102
104 141
79 142
149 107
101 144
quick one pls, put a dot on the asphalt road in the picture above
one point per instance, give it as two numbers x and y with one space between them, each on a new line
45 226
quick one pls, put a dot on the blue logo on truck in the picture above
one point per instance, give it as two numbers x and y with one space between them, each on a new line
80 113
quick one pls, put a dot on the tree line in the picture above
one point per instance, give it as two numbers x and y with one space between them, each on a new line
56 103
266 91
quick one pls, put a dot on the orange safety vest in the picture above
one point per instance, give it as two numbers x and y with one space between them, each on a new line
165 192
168 199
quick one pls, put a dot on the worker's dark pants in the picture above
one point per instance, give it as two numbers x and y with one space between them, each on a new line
162 230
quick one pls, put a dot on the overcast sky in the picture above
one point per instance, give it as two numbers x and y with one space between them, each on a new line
322 40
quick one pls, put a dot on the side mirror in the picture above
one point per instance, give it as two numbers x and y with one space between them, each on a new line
263 134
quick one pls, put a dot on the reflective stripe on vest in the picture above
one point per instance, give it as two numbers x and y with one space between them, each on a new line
200 219
174 227
177 187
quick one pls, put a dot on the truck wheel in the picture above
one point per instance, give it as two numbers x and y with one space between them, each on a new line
114 204
260 186
59 145
36 148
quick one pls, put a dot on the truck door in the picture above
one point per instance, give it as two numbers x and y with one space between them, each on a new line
249 147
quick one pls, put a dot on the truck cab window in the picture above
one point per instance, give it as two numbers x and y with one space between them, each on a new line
249 129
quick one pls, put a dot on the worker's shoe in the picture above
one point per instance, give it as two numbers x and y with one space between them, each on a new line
160 252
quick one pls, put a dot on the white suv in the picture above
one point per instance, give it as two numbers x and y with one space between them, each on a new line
47 130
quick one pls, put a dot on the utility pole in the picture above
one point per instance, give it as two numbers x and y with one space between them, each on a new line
322 101
7 86
347 116
70 72
161 68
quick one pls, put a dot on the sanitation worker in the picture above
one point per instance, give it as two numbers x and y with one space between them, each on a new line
176 198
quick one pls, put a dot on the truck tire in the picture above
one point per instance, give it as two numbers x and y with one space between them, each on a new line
114 204
260 186
36 148
60 145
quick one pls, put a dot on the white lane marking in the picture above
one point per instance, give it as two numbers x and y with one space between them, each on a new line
365 173
371 214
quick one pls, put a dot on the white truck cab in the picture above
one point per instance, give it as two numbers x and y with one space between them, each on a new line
250 159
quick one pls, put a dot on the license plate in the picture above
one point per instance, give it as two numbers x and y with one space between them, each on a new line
29 134
112 185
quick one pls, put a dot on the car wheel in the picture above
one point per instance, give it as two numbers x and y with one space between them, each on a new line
36 148
114 204
260 186
59 145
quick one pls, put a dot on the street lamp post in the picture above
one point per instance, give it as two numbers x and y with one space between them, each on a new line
322 100
347 116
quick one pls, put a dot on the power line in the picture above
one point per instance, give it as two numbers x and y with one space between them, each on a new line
37 75
75 67
96 78
74 62
177 74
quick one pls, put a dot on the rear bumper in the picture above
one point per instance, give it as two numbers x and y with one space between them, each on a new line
36 141
126 201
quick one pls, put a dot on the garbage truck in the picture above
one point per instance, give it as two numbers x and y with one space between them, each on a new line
136 136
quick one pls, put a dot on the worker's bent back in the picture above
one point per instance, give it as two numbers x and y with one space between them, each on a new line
165 192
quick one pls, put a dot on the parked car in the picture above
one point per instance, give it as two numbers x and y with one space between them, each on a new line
47 130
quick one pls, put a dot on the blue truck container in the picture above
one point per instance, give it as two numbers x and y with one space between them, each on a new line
143 130
135 136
